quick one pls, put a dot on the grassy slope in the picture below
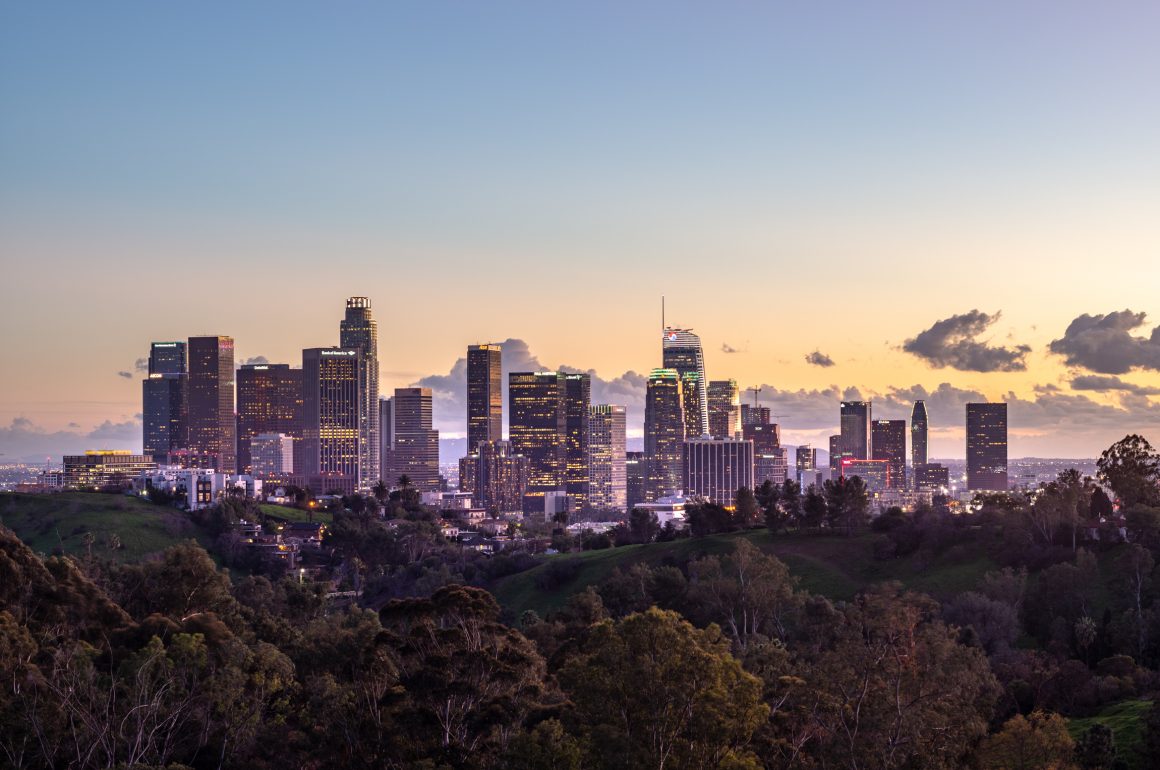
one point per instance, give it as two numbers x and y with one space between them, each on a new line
832 565
294 514
48 523
1127 722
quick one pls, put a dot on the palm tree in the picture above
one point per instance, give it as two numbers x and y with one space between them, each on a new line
380 491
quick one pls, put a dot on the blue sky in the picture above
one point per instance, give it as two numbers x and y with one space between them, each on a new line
831 176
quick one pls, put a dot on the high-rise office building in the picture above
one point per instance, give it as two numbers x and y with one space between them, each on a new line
212 429
163 415
607 480
987 447
386 439
714 469
752 414
664 434
875 474
537 428
681 351
414 452
805 459
359 331
724 409
636 477
271 455
888 442
918 434
269 401
484 395
835 456
856 437
167 358
577 402
332 401
496 477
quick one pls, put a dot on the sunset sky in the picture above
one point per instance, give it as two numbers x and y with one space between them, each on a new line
836 178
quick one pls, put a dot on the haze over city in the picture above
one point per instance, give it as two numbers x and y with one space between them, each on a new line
950 204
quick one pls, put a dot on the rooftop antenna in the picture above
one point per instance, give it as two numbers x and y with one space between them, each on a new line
663 312
756 392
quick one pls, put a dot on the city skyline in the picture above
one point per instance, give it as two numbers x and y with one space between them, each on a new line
780 174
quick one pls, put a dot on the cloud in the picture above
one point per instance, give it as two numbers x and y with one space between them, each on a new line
126 375
1103 384
449 391
818 358
23 440
1102 343
141 365
256 360
727 348
952 343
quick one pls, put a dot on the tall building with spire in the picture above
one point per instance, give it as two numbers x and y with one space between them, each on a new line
359 331
664 434
484 395
681 351
211 426
918 433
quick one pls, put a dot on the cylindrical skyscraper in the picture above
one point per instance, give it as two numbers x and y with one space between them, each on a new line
918 426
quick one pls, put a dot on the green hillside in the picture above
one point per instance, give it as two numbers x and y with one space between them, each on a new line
1126 720
58 524
832 565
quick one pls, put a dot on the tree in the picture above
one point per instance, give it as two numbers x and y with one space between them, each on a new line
642 525
381 492
791 500
888 685
813 507
767 495
1037 742
749 593
652 691
1096 748
745 507
1132 583
1131 468
847 503
470 681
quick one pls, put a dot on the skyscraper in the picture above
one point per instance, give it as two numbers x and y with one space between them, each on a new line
163 415
888 442
607 479
415 449
577 401
212 430
269 401
714 469
918 430
855 422
751 414
681 351
484 395
167 358
537 426
664 434
987 447
332 402
359 331
386 439
835 456
724 409
636 478
496 477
